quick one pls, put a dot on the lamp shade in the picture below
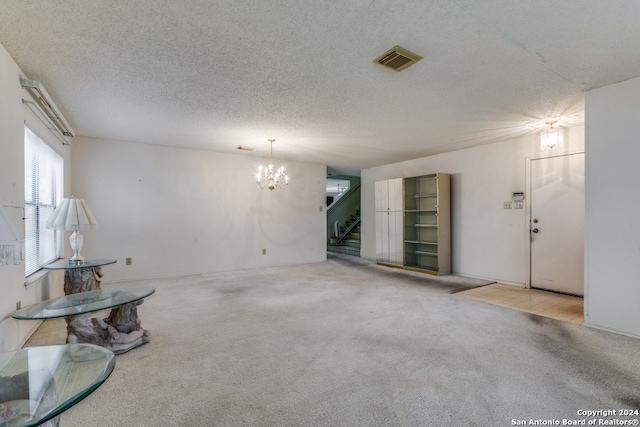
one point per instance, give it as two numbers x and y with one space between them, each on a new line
11 245
72 214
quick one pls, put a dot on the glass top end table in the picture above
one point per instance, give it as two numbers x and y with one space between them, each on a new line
67 264
80 276
37 384
120 332
84 302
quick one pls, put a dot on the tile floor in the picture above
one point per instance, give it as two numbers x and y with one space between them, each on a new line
543 303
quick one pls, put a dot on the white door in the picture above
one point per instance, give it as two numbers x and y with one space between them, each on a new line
395 194
382 236
557 223
396 241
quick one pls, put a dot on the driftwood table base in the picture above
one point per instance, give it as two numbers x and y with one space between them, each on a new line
120 332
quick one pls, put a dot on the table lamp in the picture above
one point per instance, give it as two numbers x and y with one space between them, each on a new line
73 214
11 244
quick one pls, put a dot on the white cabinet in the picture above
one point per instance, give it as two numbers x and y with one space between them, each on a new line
389 221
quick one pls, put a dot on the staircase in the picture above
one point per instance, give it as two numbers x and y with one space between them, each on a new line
349 240
346 212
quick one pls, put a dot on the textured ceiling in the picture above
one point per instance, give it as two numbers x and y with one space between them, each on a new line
214 75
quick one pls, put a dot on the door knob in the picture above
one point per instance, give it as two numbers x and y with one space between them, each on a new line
535 230
535 220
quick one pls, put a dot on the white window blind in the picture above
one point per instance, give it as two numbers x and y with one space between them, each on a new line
43 190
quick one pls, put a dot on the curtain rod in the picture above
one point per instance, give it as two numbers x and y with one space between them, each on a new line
47 121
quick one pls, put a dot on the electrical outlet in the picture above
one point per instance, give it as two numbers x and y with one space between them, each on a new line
264 252
127 261
518 205
507 205
18 305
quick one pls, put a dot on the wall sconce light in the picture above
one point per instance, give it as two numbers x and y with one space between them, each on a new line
550 137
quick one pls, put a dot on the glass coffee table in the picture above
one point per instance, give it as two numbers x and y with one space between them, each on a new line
38 383
120 332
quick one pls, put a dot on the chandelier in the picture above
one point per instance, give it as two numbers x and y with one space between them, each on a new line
550 137
270 178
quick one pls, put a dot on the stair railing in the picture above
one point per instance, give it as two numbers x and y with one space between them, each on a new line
354 189
348 230
342 209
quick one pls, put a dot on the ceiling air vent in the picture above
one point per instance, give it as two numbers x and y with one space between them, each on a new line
397 59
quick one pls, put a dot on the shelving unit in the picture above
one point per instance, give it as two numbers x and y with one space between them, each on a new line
427 224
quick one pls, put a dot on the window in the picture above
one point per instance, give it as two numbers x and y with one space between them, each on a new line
42 191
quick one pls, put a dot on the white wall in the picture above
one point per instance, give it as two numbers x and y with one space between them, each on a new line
173 211
13 114
177 211
612 239
488 241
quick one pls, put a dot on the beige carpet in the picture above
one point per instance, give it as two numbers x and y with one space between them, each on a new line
349 343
